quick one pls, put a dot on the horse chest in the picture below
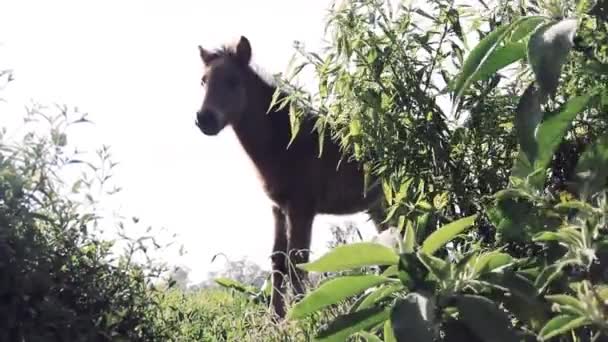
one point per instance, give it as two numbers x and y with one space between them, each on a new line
286 181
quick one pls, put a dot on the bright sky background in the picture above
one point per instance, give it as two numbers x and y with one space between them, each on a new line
134 67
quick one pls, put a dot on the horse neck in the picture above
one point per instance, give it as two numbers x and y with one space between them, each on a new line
261 133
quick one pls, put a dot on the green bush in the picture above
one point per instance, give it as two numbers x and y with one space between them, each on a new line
59 280
502 215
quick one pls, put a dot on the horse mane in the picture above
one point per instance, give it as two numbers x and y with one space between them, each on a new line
230 52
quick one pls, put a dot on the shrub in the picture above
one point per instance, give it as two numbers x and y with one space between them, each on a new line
501 215
59 280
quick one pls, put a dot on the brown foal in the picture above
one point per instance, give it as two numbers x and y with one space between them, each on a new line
299 182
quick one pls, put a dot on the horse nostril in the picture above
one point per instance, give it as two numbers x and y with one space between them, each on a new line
207 122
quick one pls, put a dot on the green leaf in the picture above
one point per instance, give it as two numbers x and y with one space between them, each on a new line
522 166
387 189
438 267
355 128
345 325
485 319
501 58
409 240
567 235
475 60
412 318
528 115
602 292
551 272
369 337
568 301
489 262
513 193
578 205
592 168
403 189
389 335
379 294
526 27
334 291
421 223
560 325
351 256
488 57
446 233
548 48
441 200
390 271
294 122
552 130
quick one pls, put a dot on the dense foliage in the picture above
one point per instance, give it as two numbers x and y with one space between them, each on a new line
488 130
59 280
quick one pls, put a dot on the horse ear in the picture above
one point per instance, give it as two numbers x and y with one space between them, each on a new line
243 50
206 55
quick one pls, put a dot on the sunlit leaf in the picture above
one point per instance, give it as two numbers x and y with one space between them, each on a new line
475 59
369 337
389 335
568 301
379 294
499 59
560 325
409 240
551 132
334 291
351 256
489 56
446 233
527 27
491 261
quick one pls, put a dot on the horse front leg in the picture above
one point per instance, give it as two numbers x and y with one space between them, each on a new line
279 262
299 232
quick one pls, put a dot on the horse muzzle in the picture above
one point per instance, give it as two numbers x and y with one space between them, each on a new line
208 122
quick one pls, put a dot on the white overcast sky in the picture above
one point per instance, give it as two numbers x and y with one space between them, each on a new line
134 67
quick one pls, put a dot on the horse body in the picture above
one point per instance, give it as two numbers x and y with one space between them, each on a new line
299 182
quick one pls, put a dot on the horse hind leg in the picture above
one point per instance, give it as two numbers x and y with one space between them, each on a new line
279 262
299 233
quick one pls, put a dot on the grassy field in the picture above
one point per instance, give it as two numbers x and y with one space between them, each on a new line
223 315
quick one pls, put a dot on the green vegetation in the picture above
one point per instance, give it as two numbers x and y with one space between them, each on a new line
487 126
494 162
